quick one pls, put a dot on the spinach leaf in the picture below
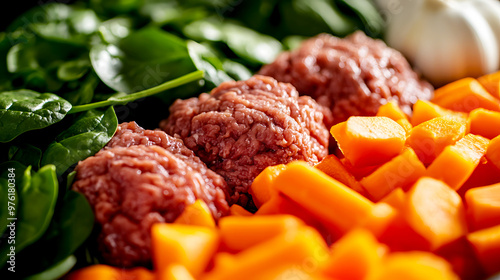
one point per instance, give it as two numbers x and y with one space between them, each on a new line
82 91
115 29
207 61
310 17
142 60
25 110
71 225
56 271
85 137
26 154
73 69
236 70
36 207
57 22
255 48
37 200
372 22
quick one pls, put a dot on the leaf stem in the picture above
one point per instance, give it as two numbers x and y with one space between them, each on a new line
122 100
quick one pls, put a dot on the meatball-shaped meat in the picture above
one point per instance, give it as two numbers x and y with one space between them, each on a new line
132 187
351 76
242 127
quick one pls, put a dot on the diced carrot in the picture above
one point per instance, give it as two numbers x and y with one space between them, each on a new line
429 138
491 82
369 140
399 172
399 235
174 272
261 188
424 111
237 210
493 152
354 256
484 122
304 245
190 246
435 211
281 204
379 219
196 214
465 95
486 244
457 162
334 168
358 171
392 110
486 173
322 195
240 233
396 199
483 206
106 272
414 266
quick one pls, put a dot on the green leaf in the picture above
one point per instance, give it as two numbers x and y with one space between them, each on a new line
142 60
236 70
254 47
26 154
58 22
37 200
209 63
73 70
84 92
71 225
85 137
25 110
115 29
56 271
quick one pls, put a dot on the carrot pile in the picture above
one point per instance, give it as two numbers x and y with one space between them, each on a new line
406 198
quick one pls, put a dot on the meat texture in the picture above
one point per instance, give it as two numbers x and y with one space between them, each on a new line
351 76
242 127
140 178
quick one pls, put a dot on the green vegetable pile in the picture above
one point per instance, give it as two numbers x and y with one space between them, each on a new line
69 73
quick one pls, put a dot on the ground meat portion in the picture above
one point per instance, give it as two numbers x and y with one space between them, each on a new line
130 187
242 127
351 76
131 134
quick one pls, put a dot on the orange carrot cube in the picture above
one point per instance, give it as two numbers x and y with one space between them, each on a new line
484 122
323 196
261 188
457 162
486 243
435 211
483 206
240 233
196 214
424 111
429 138
465 95
369 140
399 172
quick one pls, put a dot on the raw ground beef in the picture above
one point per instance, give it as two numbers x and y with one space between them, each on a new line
242 127
143 177
351 76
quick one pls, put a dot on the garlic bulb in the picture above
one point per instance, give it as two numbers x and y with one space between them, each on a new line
445 39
